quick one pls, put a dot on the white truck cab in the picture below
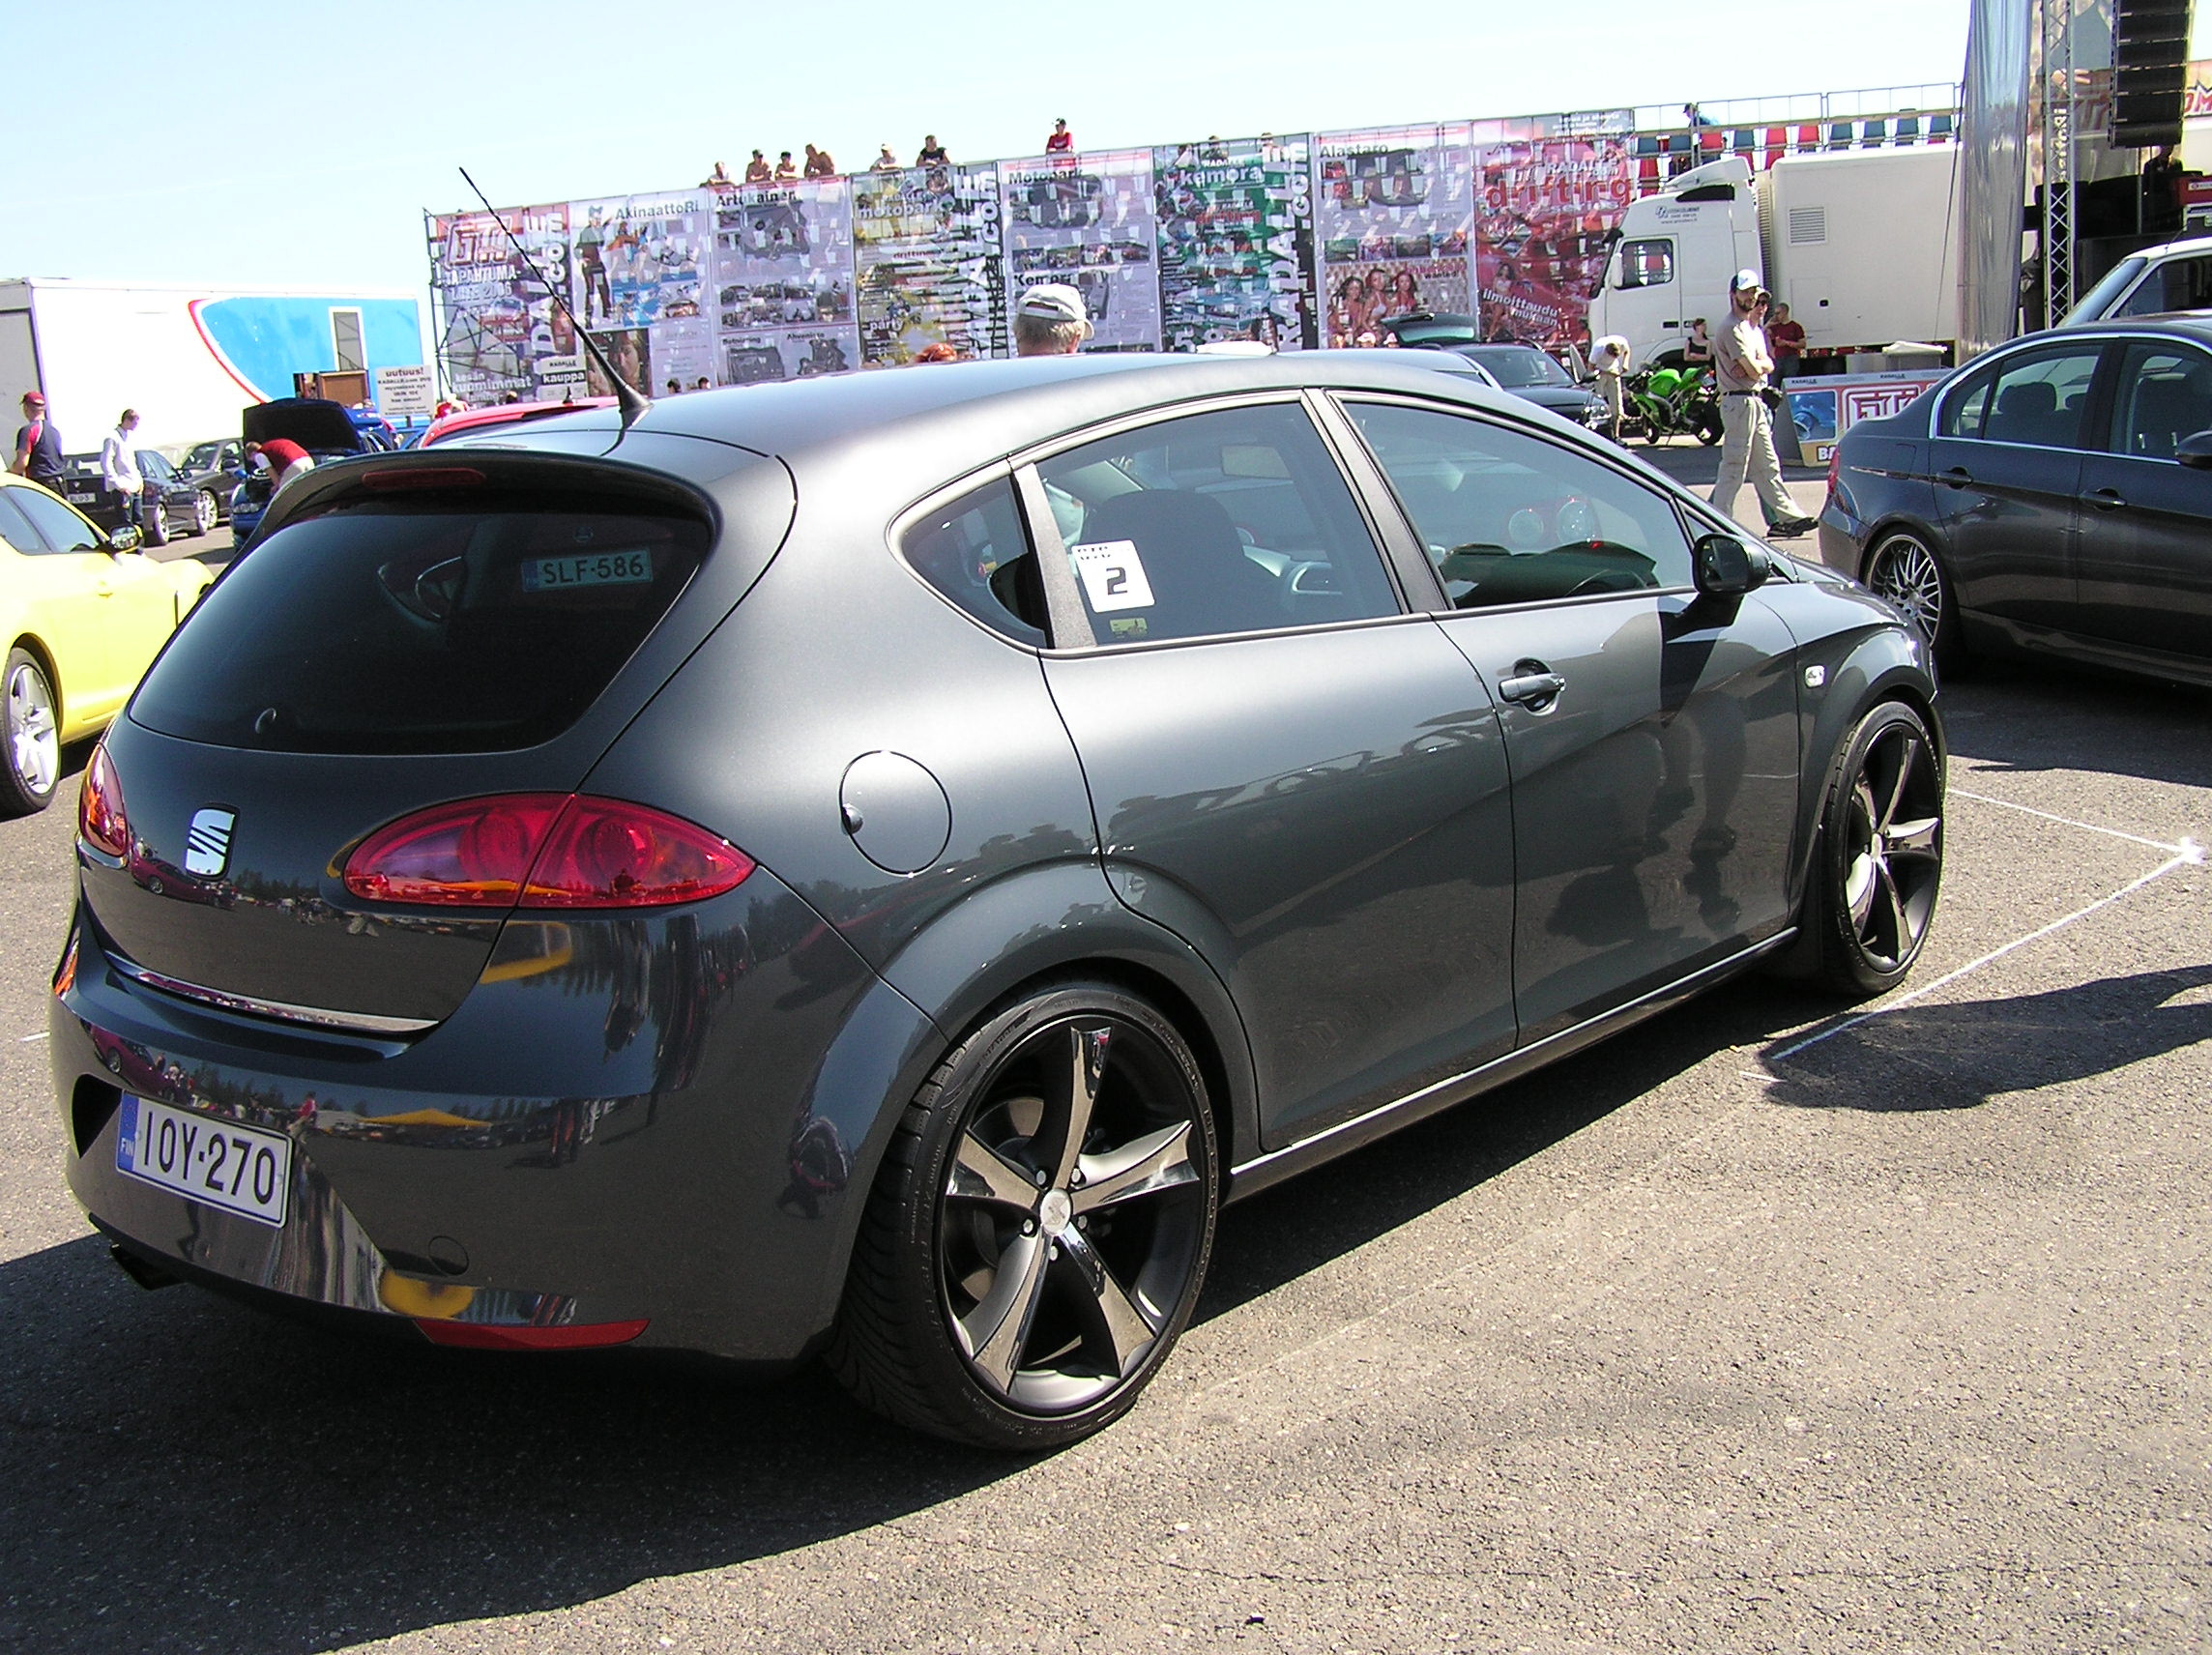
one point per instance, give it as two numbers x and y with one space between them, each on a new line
1675 258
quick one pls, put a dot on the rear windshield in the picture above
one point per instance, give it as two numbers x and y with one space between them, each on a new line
412 628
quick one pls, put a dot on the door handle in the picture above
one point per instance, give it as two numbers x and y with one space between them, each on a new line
1533 685
2106 500
1958 477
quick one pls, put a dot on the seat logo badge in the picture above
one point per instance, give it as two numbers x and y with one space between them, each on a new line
207 841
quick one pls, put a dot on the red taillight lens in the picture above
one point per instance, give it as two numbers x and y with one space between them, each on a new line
100 817
605 854
544 849
485 1336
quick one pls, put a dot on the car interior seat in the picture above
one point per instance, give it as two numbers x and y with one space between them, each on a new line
2027 412
1194 562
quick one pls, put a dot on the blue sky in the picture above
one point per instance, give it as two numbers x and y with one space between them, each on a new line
300 151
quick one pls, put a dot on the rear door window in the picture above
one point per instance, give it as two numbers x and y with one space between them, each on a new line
1226 522
412 627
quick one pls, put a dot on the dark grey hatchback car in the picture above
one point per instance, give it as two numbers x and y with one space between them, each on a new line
867 867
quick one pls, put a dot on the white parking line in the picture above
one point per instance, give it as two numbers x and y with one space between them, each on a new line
2187 855
26 1040
2068 822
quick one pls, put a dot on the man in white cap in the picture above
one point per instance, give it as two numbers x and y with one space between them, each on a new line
1050 320
1741 367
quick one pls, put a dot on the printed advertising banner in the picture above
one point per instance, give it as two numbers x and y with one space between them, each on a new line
1236 241
1552 189
1393 210
500 321
783 282
1089 222
929 262
641 266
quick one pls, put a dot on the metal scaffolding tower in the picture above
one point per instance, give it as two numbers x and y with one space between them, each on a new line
2059 95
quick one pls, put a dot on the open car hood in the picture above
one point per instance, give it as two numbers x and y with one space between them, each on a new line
316 424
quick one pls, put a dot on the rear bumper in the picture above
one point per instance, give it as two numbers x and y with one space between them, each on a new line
626 1119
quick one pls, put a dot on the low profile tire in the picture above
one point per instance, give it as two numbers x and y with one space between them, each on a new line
204 512
1904 568
1882 854
156 523
30 724
1039 1230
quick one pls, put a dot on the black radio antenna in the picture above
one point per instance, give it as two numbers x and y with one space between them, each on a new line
634 402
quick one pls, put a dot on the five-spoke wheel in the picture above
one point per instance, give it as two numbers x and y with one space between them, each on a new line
1041 1228
1882 851
33 733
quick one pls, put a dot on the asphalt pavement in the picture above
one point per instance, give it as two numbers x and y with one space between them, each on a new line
1770 1325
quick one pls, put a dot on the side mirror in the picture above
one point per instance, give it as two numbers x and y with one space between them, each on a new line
1726 567
128 539
2194 451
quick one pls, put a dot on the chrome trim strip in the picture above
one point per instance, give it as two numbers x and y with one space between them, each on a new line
1523 1054
351 1021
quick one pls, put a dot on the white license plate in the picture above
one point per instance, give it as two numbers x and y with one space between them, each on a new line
239 1169
598 568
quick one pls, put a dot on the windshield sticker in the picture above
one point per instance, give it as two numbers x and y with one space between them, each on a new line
1113 575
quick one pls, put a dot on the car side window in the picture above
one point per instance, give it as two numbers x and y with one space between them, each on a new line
15 528
1510 518
2164 393
2036 401
63 530
1231 521
961 547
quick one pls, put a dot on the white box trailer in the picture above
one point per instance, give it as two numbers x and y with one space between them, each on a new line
1861 245
190 360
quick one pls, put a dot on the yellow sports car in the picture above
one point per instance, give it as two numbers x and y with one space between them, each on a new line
82 614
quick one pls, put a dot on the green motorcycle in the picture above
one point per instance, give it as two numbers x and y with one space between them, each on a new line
1674 402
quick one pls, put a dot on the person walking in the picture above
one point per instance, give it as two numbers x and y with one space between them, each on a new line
119 472
1741 367
38 444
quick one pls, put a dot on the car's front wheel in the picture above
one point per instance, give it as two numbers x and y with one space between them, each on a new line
205 511
1904 568
1040 1226
33 731
1881 853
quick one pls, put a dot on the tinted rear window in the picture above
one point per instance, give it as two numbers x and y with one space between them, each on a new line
413 627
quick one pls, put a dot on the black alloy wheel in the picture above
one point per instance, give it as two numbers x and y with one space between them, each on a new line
1040 1228
1905 570
1881 853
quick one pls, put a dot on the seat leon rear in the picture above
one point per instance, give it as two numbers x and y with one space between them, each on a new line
864 868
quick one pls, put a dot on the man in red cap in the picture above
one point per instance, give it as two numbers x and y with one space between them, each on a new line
38 444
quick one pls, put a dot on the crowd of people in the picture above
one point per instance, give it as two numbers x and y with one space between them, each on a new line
1060 141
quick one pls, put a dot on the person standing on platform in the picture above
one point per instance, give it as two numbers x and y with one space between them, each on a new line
1740 369
1062 141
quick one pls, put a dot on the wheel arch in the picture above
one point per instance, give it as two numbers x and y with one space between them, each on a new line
31 644
1900 522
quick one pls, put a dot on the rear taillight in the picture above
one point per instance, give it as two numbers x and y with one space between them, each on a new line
544 849
99 818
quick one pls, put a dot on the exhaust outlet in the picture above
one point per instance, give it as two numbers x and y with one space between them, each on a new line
144 1271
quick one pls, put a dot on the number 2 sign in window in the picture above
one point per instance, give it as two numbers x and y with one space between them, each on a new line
1113 575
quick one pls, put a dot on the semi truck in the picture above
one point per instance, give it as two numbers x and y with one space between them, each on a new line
1861 245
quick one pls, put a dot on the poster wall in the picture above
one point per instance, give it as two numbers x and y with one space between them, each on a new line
1552 189
929 263
1236 242
1087 221
640 268
500 321
783 282
1393 215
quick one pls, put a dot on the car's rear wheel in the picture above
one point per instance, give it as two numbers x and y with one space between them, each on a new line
204 512
1904 568
1040 1226
1881 853
155 518
33 732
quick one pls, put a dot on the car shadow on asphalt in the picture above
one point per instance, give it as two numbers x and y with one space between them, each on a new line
181 1474
1963 1054
2013 718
